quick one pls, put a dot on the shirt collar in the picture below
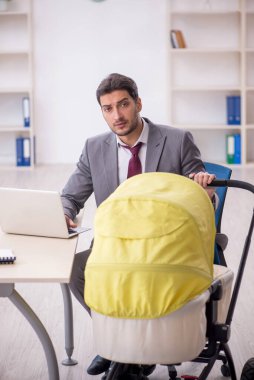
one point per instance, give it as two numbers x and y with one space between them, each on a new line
142 138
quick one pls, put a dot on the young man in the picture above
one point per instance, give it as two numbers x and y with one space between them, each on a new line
106 161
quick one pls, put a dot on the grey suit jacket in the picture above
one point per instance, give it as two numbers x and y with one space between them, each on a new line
169 150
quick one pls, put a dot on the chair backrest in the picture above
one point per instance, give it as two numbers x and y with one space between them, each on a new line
221 172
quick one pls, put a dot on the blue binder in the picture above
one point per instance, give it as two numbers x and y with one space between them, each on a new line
19 151
230 110
237 155
26 111
26 151
23 151
237 110
234 110
230 149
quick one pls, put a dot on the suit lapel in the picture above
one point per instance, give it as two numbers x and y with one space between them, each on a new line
155 145
110 161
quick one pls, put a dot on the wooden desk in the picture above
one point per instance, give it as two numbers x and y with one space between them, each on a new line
40 259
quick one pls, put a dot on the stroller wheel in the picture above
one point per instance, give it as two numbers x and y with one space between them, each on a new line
225 370
248 370
172 372
120 371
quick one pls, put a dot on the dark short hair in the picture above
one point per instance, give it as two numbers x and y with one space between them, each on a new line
115 82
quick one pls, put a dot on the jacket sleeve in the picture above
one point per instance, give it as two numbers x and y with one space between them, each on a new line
79 186
190 156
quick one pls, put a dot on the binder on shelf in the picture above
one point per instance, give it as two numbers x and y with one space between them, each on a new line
7 256
23 151
230 110
177 39
230 149
237 110
237 156
26 111
34 150
234 110
19 151
233 148
26 152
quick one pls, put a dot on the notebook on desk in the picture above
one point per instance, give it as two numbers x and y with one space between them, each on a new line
7 256
34 212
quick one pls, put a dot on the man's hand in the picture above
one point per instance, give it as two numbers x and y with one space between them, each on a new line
204 179
70 222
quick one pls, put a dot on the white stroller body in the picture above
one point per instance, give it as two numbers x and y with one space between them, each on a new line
175 338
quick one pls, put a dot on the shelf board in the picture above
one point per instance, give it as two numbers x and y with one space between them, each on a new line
13 128
206 13
198 89
15 90
232 166
15 52
248 164
250 126
204 50
205 127
8 167
13 13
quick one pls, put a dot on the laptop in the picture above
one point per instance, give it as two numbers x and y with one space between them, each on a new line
34 212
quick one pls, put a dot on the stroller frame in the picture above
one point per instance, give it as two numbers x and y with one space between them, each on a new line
218 335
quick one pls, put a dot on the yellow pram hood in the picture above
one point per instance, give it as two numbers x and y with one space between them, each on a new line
153 248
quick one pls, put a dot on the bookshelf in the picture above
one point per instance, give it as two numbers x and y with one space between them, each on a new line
217 63
16 80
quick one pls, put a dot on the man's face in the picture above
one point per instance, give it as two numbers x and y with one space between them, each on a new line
121 113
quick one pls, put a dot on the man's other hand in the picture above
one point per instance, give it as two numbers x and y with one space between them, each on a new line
70 222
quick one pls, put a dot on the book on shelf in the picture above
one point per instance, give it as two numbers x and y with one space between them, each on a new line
23 151
7 256
26 111
233 148
234 110
177 39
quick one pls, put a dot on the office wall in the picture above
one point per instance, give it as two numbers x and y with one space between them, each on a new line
79 42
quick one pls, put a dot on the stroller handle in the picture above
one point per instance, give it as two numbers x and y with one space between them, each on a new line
232 183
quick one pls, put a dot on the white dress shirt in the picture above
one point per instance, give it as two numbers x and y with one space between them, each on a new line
124 154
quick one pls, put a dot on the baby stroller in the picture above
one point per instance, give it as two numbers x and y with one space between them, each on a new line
154 293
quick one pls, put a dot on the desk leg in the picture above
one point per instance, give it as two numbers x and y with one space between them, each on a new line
68 325
38 327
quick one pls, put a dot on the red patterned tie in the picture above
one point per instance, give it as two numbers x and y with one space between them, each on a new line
134 163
